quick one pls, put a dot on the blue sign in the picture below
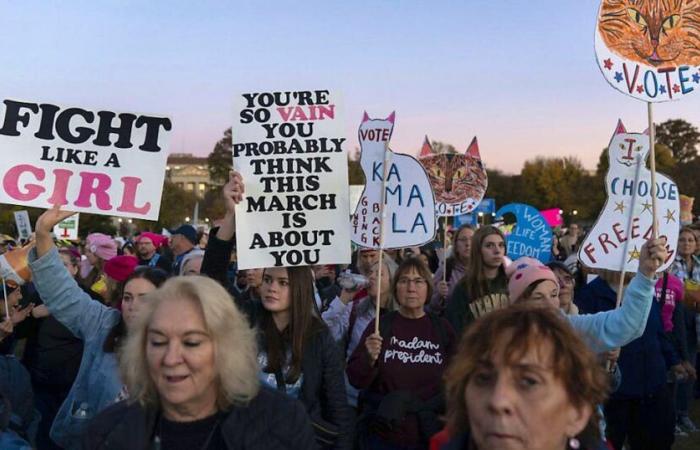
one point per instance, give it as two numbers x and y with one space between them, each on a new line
531 235
487 206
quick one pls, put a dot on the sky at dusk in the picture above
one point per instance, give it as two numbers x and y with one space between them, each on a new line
520 75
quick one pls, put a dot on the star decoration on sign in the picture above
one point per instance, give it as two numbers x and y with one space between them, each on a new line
696 78
608 63
620 206
670 216
676 88
618 76
662 89
647 207
634 254
640 89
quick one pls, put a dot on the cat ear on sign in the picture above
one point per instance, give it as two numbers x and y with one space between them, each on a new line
392 117
427 149
473 149
365 117
646 132
620 129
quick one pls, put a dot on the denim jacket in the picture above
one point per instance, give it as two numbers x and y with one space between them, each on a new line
97 384
608 330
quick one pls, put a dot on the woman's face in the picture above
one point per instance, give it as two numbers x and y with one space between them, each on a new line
386 283
686 244
274 290
566 287
91 257
547 292
181 359
254 277
521 405
132 299
493 249
463 244
411 290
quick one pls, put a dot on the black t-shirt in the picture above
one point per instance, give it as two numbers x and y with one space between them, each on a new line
204 434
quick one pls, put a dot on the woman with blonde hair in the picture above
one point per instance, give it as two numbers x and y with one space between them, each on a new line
523 378
189 364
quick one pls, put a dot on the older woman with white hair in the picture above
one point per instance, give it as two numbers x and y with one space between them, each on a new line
190 367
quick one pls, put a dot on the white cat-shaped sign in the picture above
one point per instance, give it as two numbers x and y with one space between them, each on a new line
626 220
409 211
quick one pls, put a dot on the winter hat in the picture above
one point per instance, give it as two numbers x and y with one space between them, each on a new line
188 231
121 267
157 239
101 245
523 272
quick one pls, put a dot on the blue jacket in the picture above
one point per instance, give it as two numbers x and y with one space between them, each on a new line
97 384
610 330
643 361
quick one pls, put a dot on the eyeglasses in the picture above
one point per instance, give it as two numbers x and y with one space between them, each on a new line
418 282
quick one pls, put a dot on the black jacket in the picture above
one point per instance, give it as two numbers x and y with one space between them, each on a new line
323 386
271 421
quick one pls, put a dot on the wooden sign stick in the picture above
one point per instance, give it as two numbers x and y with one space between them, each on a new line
652 163
4 292
444 249
621 283
378 299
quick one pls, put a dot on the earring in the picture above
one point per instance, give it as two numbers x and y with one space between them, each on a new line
574 443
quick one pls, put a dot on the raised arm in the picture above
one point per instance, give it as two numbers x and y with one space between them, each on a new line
612 329
59 291
220 245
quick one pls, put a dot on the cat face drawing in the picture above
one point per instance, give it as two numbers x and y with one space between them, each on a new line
627 148
455 178
658 33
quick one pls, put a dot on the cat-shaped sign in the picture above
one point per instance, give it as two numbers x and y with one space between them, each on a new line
650 49
409 208
459 180
626 220
531 236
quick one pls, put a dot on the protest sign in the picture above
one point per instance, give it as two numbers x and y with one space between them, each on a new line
553 217
531 236
409 204
650 50
625 223
289 149
102 162
67 228
459 181
24 226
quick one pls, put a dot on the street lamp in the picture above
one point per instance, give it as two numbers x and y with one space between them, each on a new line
574 212
187 219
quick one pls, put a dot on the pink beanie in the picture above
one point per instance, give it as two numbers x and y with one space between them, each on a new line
101 245
157 239
523 272
120 267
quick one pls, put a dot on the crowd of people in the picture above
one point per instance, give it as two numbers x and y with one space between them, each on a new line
158 342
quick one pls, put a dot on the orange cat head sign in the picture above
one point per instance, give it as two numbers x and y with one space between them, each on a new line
650 49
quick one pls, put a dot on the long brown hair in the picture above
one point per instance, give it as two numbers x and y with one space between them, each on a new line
476 282
302 324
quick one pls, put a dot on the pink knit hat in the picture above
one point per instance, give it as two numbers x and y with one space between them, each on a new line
157 239
101 245
120 267
523 272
